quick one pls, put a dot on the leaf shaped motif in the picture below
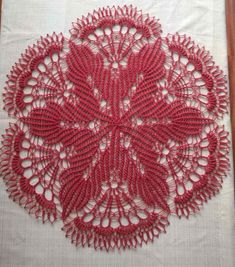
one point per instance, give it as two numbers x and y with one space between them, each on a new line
75 191
81 61
149 61
151 186
175 121
47 122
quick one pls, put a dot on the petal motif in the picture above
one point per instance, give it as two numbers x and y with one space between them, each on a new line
127 16
112 211
197 167
76 191
194 75
84 233
152 185
86 69
30 180
175 121
149 62
38 75
56 124
81 62
184 121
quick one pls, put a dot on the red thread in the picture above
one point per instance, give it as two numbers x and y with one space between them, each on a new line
116 129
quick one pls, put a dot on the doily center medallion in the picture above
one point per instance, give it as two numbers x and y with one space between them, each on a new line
117 127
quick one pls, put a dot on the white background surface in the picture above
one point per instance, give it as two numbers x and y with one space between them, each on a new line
205 239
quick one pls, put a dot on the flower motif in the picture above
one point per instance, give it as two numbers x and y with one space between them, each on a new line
116 129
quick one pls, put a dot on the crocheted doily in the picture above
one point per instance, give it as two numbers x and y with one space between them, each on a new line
116 128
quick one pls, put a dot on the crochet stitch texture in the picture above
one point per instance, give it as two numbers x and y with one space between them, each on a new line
116 128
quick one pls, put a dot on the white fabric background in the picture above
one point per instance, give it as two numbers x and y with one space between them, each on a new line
205 239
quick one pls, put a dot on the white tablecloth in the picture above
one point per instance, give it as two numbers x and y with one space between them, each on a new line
205 239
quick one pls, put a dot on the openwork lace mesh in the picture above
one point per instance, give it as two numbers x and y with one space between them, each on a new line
116 128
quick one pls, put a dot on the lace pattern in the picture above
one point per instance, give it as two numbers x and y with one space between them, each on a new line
116 128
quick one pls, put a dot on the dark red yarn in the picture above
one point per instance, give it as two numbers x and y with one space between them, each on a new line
116 128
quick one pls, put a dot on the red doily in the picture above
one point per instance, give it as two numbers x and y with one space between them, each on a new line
117 127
